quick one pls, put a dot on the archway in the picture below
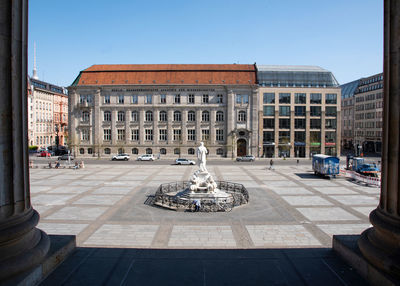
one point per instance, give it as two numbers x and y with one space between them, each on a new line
241 147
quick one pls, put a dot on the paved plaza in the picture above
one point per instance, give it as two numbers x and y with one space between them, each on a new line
105 206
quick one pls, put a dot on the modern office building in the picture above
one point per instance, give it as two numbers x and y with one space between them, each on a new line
348 91
368 114
47 114
299 111
165 110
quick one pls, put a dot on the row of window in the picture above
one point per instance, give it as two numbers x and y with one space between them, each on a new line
299 111
162 135
299 123
299 136
299 98
163 151
163 116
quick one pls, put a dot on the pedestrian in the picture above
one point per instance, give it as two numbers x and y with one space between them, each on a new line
271 164
197 205
57 165
297 162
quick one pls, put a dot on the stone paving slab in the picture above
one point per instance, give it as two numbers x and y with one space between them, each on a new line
288 207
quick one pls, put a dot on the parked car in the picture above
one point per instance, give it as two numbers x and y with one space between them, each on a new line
65 157
182 161
44 153
123 156
146 157
248 158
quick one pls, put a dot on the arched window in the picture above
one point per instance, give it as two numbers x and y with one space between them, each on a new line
191 151
149 116
135 151
242 116
121 116
220 116
121 151
149 151
107 151
220 151
107 115
163 116
177 151
90 151
205 116
177 116
191 116
85 116
81 151
134 116
163 151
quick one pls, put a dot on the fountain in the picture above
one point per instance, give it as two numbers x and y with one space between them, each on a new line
202 189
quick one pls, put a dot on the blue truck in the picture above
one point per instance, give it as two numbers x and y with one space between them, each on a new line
359 165
325 165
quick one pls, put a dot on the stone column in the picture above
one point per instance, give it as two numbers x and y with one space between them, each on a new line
96 124
113 128
198 126
141 128
380 244
22 245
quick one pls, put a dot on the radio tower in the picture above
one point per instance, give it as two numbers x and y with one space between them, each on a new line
34 76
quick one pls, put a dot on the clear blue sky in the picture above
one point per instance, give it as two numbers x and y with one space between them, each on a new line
345 37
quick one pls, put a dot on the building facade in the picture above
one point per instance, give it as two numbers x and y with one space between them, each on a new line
362 106
299 111
47 114
165 110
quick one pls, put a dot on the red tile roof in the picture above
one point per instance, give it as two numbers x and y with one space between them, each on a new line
231 74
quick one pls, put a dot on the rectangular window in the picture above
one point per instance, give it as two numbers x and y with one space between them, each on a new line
315 110
269 98
315 123
300 98
121 134
315 137
299 110
191 134
177 98
268 136
219 135
284 123
284 110
330 98
300 136
299 123
245 98
177 134
148 99
163 134
330 111
330 123
220 98
191 98
107 134
315 98
134 116
135 135
134 99
89 98
284 137
85 135
238 98
107 99
284 98
163 98
148 134
121 99
205 98
269 110
268 123
205 134
82 99
330 137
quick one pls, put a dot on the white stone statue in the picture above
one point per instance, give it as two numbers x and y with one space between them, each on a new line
201 157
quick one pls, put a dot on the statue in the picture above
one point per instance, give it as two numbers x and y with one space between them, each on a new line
201 157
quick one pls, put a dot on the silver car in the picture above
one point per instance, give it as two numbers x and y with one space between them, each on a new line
181 161
248 158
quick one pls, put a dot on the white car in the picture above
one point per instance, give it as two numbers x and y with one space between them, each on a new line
247 158
146 157
124 157
182 161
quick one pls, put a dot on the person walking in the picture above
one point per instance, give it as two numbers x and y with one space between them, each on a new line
271 164
297 162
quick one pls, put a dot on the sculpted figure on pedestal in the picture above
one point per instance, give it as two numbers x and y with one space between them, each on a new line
201 157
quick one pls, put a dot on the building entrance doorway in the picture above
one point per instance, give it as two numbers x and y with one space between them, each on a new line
241 148
269 151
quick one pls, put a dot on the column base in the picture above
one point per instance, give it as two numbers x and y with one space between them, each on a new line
22 245
380 245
